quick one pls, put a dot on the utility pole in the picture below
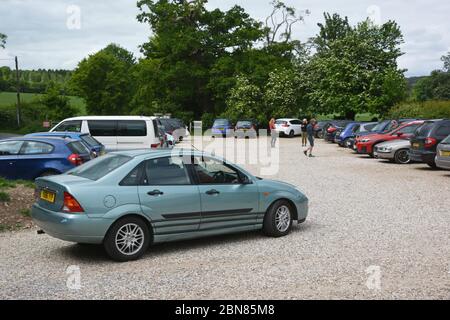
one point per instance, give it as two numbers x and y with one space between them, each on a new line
18 93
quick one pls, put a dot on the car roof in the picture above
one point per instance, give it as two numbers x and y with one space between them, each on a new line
42 139
58 134
286 119
110 118
157 153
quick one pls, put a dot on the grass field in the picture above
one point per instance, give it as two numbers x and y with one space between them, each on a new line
9 98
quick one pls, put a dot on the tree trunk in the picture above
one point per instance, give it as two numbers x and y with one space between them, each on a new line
350 115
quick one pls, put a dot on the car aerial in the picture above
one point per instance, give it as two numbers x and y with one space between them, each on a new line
90 142
33 157
246 129
116 132
427 137
131 199
397 151
362 129
288 127
443 154
366 144
222 128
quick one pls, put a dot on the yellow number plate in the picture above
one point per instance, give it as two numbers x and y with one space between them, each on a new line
48 196
445 153
416 145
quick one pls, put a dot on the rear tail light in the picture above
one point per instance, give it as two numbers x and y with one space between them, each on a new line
429 142
331 129
71 204
75 159
155 145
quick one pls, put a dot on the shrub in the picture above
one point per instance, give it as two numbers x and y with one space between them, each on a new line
422 110
4 197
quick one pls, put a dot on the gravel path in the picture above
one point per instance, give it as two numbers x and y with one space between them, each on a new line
363 213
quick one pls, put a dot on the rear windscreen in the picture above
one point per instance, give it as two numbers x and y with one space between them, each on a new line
424 129
221 122
280 122
77 147
100 167
90 141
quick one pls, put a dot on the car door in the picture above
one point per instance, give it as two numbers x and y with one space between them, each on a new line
132 134
227 201
168 196
104 131
297 126
8 158
33 158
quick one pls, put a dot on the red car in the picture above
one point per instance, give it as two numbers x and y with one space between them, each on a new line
366 144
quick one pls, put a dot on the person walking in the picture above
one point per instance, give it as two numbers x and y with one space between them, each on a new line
273 133
310 133
304 133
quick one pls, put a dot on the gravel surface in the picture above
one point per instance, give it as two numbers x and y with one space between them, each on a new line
363 213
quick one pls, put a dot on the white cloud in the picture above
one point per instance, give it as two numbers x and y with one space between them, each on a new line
38 34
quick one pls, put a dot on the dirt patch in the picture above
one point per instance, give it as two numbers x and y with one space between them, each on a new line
15 214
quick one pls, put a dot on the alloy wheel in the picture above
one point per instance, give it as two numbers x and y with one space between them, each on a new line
129 239
283 218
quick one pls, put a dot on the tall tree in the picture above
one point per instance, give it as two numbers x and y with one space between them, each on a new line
446 60
3 38
58 106
105 81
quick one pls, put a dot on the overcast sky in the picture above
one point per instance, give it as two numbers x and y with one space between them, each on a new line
46 33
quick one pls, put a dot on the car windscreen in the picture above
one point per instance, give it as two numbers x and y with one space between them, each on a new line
90 141
245 124
446 140
280 122
100 167
424 129
380 126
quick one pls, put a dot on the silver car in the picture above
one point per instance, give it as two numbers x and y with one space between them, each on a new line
443 154
397 151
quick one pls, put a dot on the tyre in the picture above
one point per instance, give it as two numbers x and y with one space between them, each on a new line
402 156
291 134
432 165
278 219
127 239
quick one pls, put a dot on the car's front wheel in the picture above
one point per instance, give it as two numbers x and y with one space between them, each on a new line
127 239
278 219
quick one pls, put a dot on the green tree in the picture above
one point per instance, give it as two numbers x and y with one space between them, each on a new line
446 60
57 106
434 87
105 81
245 101
355 68
2 40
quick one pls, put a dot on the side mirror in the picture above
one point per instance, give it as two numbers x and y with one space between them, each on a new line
244 179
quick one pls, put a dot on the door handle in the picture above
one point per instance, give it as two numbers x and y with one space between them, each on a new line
155 193
212 192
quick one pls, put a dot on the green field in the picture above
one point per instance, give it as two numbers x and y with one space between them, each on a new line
9 98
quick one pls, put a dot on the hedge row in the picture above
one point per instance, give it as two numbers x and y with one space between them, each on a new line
422 110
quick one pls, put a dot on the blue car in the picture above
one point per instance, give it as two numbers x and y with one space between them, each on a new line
128 200
342 135
30 158
222 128
90 142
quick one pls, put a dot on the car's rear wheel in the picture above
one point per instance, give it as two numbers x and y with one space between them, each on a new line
127 239
432 165
278 219
291 134
402 156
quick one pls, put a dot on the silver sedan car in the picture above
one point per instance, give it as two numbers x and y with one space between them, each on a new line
397 151
443 154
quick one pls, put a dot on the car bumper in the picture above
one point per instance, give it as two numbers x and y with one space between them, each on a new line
364 148
443 162
70 227
302 206
422 156
384 155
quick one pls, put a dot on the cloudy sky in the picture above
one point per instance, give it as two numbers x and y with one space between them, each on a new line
47 33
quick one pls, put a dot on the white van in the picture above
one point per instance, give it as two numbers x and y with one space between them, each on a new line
116 132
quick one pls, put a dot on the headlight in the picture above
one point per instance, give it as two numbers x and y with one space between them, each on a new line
365 140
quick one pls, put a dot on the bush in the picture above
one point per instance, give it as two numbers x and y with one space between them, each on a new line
4 197
421 110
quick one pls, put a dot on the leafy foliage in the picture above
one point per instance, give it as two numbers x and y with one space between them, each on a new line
2 40
434 87
58 106
432 109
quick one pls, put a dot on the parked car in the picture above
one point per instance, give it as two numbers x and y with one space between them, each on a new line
96 148
33 157
343 135
288 127
318 128
443 154
332 128
366 144
386 126
396 151
222 128
131 199
427 137
246 129
362 129
116 132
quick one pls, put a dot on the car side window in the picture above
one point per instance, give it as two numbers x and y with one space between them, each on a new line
102 128
70 126
211 171
8 148
409 129
166 171
35 147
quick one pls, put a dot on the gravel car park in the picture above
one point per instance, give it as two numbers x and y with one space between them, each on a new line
354 226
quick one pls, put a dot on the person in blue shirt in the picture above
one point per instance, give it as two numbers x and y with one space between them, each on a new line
310 133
